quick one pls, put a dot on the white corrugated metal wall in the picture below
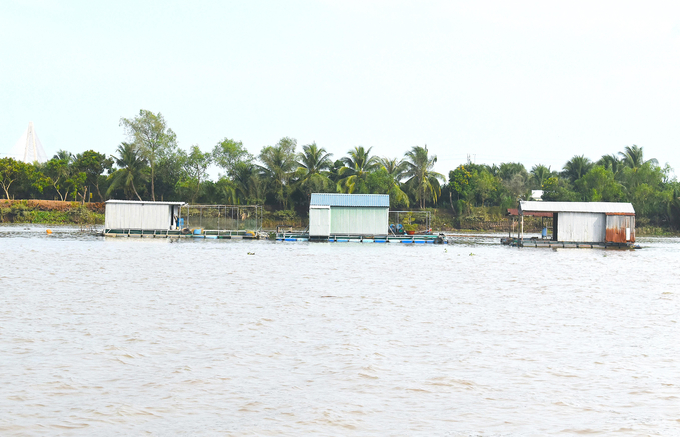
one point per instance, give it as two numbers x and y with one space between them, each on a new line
319 221
581 227
137 216
359 220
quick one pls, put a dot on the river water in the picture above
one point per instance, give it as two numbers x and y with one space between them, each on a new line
126 336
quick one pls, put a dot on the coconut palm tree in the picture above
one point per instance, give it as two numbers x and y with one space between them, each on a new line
632 157
130 170
396 168
279 163
577 167
313 164
226 191
358 164
422 179
63 155
248 185
539 173
610 162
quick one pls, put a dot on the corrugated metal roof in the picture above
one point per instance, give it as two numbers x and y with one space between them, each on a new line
515 212
594 207
335 199
145 202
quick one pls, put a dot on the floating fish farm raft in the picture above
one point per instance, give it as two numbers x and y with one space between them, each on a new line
406 239
202 233
337 218
539 242
125 218
574 225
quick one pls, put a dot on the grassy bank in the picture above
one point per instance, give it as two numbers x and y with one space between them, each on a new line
51 212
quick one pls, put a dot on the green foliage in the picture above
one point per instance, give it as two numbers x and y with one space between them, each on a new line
599 185
459 182
151 165
151 137
278 166
93 165
227 153
195 168
509 170
539 174
19 177
21 212
312 173
484 185
632 157
423 180
610 162
357 165
558 189
131 170
577 167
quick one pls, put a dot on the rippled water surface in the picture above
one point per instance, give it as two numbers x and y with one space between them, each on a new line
128 336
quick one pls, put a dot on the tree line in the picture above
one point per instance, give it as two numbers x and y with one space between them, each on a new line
149 165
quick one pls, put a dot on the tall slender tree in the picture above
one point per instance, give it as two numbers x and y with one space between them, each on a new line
278 164
195 165
422 178
151 135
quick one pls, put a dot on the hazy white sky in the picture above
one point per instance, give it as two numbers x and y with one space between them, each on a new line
535 82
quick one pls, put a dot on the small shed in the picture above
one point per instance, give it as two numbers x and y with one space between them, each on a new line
587 222
348 214
134 214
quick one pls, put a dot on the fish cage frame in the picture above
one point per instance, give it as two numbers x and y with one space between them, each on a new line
425 216
234 213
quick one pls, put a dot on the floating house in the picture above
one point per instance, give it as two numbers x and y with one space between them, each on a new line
332 214
581 224
131 218
141 216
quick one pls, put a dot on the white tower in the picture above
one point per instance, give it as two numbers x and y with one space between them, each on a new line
29 149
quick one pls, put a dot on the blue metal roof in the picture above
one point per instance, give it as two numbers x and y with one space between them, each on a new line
334 199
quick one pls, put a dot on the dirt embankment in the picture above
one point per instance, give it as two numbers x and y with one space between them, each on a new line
52 205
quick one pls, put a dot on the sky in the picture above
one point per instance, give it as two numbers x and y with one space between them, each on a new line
530 82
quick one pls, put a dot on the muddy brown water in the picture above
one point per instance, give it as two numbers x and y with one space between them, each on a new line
130 337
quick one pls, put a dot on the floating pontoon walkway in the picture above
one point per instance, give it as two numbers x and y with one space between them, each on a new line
538 242
209 234
406 239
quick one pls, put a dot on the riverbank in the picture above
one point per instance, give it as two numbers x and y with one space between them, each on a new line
51 212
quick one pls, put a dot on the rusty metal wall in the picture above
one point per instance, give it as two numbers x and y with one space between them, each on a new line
617 226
